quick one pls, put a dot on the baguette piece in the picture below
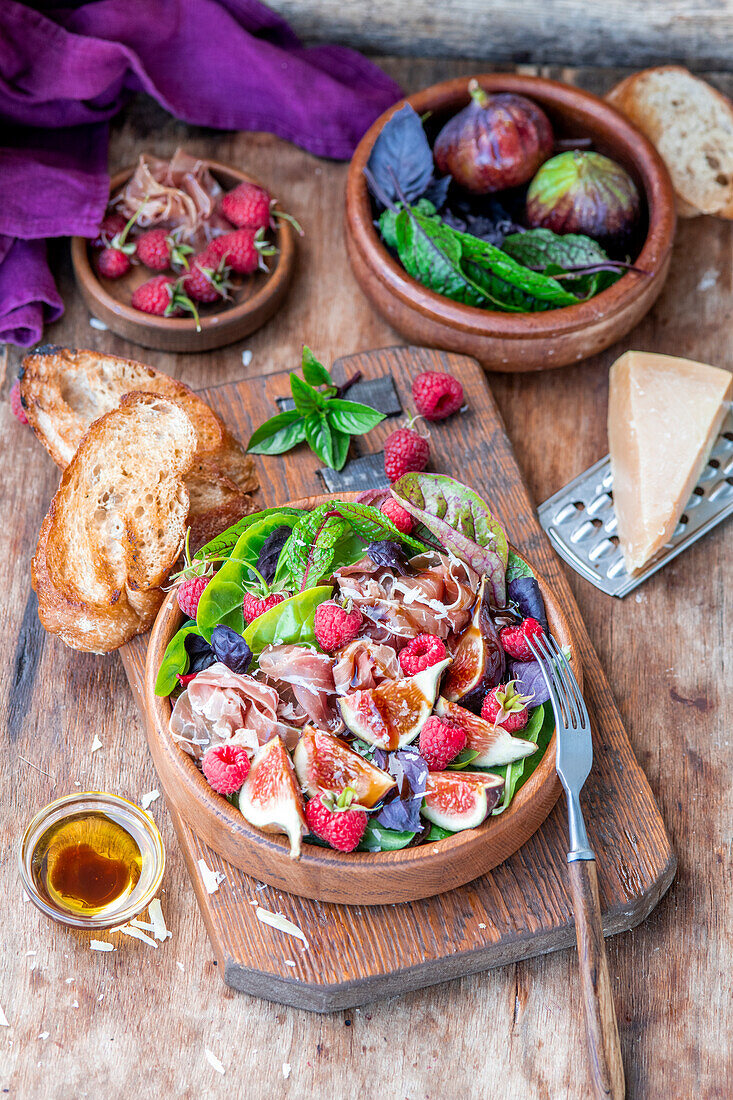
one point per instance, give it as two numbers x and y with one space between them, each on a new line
64 390
691 125
116 525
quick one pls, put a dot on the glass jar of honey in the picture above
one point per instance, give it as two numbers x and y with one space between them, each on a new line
92 860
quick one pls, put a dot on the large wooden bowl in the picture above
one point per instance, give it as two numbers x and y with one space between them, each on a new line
359 878
254 298
518 341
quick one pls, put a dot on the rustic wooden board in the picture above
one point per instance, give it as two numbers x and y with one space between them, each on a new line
522 908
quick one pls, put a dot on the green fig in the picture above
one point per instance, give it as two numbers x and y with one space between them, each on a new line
584 192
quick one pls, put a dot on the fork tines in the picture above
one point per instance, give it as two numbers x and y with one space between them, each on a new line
565 694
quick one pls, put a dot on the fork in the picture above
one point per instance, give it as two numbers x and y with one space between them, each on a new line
573 763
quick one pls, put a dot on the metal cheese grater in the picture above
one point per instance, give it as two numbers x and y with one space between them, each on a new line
581 523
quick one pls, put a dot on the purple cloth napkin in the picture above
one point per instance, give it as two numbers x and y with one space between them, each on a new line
66 70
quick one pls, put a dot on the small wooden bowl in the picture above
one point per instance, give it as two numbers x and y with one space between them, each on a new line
358 878
518 341
253 302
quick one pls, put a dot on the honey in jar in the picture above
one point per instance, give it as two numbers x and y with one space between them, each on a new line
86 863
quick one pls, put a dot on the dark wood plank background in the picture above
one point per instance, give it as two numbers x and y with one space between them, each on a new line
517 1031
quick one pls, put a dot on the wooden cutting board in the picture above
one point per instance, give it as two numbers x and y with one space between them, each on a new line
521 909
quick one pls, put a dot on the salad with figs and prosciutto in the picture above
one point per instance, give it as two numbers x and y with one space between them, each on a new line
358 674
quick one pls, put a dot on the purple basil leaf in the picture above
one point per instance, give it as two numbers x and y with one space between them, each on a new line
200 653
389 553
411 772
525 592
270 552
436 191
231 649
401 160
530 680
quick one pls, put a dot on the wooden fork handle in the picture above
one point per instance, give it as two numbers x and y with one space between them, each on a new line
607 1071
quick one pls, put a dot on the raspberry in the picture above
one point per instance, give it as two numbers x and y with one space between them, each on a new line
441 740
254 606
226 767
206 280
437 395
400 516
154 250
505 707
111 225
157 296
329 816
405 450
514 639
189 594
242 250
16 403
112 263
422 652
247 206
334 626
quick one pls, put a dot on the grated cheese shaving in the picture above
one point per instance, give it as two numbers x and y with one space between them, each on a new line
4 1022
246 357
142 924
100 326
286 1070
44 1035
30 953
281 923
101 945
147 799
180 966
136 934
290 962
214 1061
96 743
155 913
211 879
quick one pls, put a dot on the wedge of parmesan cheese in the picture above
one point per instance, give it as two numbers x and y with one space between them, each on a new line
664 415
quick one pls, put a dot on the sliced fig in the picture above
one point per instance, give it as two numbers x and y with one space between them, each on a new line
478 662
495 745
460 800
270 798
324 763
392 715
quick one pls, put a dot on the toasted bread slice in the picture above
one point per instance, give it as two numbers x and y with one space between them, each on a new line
691 124
64 390
116 525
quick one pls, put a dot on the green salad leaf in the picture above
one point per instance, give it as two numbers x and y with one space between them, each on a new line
539 729
461 521
538 248
175 660
378 839
221 601
222 545
516 567
289 622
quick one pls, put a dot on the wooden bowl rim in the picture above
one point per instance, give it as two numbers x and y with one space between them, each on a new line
550 323
284 238
158 710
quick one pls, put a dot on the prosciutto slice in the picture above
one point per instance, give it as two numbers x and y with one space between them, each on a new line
435 599
220 705
364 663
309 674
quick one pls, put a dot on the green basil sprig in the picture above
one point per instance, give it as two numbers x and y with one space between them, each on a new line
321 418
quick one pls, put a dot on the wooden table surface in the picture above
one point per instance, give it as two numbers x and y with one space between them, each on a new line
100 1025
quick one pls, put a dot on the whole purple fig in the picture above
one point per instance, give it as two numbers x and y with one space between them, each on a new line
498 141
583 192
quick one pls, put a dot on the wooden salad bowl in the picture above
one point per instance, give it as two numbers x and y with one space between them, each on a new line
254 299
518 341
356 878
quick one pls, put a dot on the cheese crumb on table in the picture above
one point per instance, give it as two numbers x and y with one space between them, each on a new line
96 743
286 1070
214 1061
147 799
3 1019
155 913
281 923
211 879
101 945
